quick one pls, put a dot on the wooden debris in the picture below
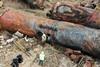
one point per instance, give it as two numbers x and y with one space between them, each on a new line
19 46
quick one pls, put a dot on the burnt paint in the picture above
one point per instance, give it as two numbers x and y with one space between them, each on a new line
77 37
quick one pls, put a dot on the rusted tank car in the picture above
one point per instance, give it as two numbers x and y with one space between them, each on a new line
66 34
75 14
74 36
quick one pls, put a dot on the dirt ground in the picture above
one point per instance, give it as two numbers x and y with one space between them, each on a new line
54 56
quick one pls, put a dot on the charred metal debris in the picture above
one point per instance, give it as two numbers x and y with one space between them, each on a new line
16 61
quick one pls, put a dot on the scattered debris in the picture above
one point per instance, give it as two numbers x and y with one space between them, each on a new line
10 40
74 55
4 41
81 62
90 4
20 58
44 37
18 34
26 39
16 61
41 36
22 48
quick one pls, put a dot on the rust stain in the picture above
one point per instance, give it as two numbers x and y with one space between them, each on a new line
13 21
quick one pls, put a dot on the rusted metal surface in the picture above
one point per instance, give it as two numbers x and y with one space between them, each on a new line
75 14
13 21
26 23
74 36
65 34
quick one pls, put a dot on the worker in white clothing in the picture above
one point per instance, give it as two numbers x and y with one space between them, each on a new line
41 58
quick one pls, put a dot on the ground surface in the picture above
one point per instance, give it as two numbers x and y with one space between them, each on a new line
54 56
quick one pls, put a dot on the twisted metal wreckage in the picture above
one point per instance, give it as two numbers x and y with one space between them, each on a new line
76 14
65 34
